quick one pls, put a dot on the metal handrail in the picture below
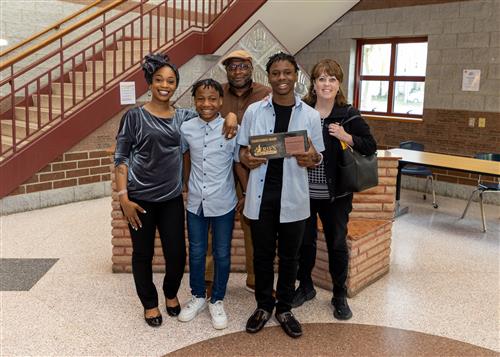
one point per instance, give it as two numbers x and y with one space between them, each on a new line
60 35
156 28
69 44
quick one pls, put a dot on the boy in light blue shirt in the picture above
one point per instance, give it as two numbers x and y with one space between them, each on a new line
212 200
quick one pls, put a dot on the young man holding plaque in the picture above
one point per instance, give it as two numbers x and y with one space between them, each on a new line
239 92
277 201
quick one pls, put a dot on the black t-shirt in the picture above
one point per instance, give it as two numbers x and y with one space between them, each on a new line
274 174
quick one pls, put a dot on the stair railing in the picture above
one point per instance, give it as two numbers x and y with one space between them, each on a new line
51 88
55 26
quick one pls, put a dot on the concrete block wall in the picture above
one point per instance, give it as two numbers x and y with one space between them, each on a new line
461 35
21 19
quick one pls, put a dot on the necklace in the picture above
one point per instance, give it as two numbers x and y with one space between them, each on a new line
324 113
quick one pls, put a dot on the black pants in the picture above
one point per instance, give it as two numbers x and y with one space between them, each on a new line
168 217
266 231
334 217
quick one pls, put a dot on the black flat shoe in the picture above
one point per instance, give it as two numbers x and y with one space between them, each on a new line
174 310
154 321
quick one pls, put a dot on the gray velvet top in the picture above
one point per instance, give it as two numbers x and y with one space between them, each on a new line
151 148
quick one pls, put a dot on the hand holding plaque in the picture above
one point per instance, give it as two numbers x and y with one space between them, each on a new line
278 145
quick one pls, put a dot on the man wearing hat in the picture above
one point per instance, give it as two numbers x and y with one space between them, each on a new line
239 92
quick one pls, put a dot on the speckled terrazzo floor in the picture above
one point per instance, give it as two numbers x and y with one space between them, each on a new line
444 281
332 339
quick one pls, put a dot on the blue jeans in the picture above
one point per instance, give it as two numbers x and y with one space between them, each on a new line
222 233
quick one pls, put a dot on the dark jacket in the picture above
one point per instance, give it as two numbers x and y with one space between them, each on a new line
364 142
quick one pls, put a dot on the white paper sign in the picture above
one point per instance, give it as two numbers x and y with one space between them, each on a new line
127 93
471 79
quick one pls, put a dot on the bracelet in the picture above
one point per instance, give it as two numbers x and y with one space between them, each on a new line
243 193
122 192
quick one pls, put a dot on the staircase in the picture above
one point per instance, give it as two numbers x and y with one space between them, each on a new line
56 101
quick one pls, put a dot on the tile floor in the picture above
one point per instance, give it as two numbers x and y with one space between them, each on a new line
444 280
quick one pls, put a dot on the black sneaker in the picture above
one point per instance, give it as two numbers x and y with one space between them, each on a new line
341 310
302 295
289 324
257 321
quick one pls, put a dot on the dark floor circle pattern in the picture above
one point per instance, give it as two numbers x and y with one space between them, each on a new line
333 339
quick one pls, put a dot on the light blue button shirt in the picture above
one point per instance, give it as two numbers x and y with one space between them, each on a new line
259 119
211 181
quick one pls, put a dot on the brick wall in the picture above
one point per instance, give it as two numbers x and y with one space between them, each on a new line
369 244
369 233
122 245
458 139
378 202
374 204
461 35
85 163
69 169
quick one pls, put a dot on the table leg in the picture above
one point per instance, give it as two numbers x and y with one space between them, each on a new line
398 210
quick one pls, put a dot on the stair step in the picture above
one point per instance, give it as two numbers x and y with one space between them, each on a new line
6 143
6 127
119 61
120 54
20 114
99 67
56 100
137 44
77 77
7 140
68 88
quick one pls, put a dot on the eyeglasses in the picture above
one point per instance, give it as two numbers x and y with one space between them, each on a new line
242 66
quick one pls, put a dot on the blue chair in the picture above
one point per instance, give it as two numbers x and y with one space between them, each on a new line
418 170
483 187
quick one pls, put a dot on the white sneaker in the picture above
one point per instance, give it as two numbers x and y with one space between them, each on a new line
219 317
192 308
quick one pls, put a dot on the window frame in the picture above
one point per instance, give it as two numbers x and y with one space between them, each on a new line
391 78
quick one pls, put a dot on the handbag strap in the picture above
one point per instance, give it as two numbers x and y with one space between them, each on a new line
344 122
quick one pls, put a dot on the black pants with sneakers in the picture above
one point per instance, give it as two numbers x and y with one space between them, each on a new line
168 217
334 217
266 232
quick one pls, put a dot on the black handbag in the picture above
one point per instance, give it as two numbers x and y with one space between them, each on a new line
357 172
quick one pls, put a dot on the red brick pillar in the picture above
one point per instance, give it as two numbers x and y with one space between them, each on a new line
369 233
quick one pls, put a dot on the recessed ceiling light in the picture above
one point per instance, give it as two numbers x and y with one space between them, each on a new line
3 42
